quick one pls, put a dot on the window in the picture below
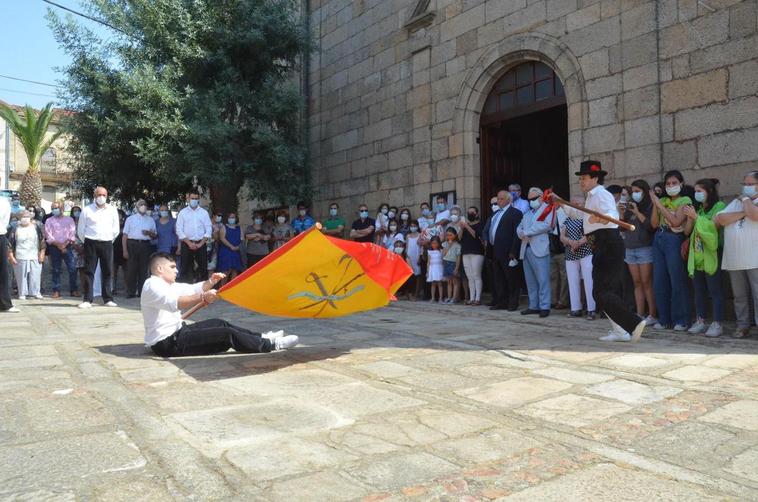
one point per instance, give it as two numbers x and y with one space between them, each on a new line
526 84
48 159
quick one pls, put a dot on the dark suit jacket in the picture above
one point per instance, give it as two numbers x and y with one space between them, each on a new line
506 242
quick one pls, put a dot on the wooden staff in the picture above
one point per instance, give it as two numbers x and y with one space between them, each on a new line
622 224
197 306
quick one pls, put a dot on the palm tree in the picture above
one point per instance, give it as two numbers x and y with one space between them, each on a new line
31 130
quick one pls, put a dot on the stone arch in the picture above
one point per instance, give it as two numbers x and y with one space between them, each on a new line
493 64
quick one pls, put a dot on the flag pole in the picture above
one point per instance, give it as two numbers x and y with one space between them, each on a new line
197 306
622 224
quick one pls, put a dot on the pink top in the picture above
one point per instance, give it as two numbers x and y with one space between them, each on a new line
60 230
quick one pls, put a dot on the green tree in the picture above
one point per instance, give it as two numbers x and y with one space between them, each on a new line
188 92
31 128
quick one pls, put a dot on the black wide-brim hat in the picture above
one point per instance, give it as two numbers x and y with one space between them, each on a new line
591 167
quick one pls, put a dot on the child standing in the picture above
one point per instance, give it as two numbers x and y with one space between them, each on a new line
434 272
413 256
451 258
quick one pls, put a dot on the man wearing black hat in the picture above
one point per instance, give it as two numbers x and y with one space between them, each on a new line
608 254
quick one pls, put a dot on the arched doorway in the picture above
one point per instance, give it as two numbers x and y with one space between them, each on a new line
524 132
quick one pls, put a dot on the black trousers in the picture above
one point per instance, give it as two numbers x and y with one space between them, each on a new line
136 265
94 251
5 275
608 276
211 337
191 259
506 284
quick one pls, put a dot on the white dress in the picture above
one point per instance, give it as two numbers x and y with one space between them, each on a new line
413 251
388 241
435 272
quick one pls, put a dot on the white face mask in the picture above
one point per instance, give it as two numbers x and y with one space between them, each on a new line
25 221
534 204
414 229
100 200
495 208
218 219
281 219
673 191
393 228
301 212
637 196
399 250
749 190
454 218
404 216
385 210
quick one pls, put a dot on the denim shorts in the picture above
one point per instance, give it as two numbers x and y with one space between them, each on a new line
639 256
448 269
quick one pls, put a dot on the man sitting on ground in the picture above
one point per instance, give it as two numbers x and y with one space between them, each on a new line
162 301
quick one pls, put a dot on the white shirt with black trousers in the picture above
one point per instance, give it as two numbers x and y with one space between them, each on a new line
608 253
98 227
138 229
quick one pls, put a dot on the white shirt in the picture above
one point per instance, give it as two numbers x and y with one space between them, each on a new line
193 224
27 242
136 223
598 199
442 215
98 223
740 237
5 214
159 302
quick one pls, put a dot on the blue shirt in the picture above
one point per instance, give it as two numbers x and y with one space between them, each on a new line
302 224
166 235
522 205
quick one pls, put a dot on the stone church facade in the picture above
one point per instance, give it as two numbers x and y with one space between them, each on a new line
410 98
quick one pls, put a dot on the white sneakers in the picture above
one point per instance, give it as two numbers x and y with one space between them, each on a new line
615 336
84 305
22 298
273 335
697 328
39 297
651 321
714 330
12 310
111 304
285 342
680 327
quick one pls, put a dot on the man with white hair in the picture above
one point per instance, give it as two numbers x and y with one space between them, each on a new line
162 300
535 253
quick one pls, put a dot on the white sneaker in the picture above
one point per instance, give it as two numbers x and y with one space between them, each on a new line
12 310
39 297
111 304
680 327
697 328
637 333
714 330
273 335
659 326
650 321
85 305
22 298
285 342
615 336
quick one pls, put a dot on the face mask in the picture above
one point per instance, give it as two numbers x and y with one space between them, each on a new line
76 214
673 191
232 221
700 197
194 203
425 211
534 203
364 214
624 199
637 196
281 219
25 221
333 212
454 218
399 250
217 219
100 200
301 212
391 214
495 208
164 214
749 190
142 209
56 211
385 210
514 195
393 228
258 221
414 229
440 207
472 216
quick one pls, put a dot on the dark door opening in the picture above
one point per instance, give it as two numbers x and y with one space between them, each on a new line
524 133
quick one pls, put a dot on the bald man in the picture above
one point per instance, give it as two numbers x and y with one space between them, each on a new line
98 227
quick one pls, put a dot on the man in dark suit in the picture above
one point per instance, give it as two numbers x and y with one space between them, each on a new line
503 244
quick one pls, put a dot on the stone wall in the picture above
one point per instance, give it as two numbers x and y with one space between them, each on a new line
650 86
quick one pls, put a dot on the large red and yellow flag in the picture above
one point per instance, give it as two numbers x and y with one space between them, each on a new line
315 275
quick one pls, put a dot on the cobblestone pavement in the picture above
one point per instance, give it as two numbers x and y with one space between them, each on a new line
411 402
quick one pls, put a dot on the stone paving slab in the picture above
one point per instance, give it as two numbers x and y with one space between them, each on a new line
411 402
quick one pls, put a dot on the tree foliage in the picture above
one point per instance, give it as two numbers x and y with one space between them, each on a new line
188 92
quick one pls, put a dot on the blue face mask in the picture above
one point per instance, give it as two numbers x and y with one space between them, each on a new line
364 214
258 221
232 221
333 212
749 190
514 195
76 213
164 214
700 197
426 211
440 207
194 203
56 211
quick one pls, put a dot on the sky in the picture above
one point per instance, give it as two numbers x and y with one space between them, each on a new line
29 50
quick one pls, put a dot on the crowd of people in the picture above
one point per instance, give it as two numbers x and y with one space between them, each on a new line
684 236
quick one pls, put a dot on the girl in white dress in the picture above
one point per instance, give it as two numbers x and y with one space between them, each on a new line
434 272
393 234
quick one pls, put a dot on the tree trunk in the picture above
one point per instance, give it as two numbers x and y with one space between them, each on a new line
224 197
31 188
